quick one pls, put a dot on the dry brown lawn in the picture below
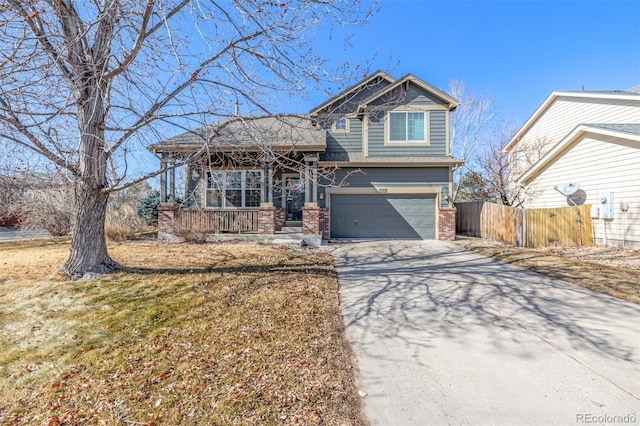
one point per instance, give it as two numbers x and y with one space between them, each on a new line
185 334
608 270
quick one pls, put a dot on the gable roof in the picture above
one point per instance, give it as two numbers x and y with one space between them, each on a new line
629 132
633 94
357 86
451 102
279 132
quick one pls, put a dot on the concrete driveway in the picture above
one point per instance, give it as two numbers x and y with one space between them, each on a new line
446 336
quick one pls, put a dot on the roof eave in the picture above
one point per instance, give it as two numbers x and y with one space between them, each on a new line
314 112
549 100
567 142
255 148
450 101
391 164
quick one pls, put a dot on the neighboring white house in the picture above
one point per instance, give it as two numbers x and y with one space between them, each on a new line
591 139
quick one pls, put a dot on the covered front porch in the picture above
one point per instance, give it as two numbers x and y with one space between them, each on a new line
238 203
243 189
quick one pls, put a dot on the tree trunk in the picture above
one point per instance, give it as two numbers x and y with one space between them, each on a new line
89 256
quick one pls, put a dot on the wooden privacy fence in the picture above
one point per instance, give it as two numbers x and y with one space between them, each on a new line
215 221
491 221
565 226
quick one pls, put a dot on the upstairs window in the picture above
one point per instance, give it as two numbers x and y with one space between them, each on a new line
340 125
407 126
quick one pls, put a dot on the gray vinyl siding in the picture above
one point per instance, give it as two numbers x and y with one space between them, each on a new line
438 132
376 135
350 141
437 138
416 96
391 176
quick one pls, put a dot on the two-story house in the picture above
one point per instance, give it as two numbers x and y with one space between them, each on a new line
372 162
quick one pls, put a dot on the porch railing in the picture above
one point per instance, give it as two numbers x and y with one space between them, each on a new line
216 221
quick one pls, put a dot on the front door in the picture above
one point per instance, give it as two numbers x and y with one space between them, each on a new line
294 198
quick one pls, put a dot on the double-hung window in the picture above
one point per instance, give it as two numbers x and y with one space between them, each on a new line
407 126
233 189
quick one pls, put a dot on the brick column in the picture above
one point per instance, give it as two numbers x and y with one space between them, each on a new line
266 220
324 223
167 215
447 224
311 221
280 219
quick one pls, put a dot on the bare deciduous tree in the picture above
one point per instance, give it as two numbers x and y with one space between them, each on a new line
46 205
10 192
88 85
494 175
471 126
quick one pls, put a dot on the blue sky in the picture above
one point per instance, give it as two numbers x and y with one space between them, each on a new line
519 51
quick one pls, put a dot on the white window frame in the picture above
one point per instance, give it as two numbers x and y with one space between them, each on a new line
407 140
222 187
334 127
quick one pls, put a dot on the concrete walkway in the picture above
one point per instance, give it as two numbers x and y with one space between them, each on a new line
447 336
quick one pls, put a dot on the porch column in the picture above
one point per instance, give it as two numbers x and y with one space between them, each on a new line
270 184
307 190
266 220
314 186
172 183
263 182
167 222
167 182
163 183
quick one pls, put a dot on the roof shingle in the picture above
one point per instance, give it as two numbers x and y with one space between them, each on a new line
250 132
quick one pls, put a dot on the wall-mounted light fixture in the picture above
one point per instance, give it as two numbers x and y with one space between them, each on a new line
321 196
445 195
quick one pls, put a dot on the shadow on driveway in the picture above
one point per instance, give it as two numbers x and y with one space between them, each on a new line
444 335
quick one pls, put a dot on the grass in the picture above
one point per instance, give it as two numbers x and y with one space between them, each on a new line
615 281
185 334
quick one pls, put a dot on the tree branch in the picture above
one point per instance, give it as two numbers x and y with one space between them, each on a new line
137 45
36 25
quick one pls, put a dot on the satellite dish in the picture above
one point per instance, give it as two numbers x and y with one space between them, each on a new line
567 189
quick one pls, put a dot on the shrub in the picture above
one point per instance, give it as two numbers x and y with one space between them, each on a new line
148 208
122 221
50 209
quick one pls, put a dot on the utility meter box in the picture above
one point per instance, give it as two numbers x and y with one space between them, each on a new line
607 209
595 212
